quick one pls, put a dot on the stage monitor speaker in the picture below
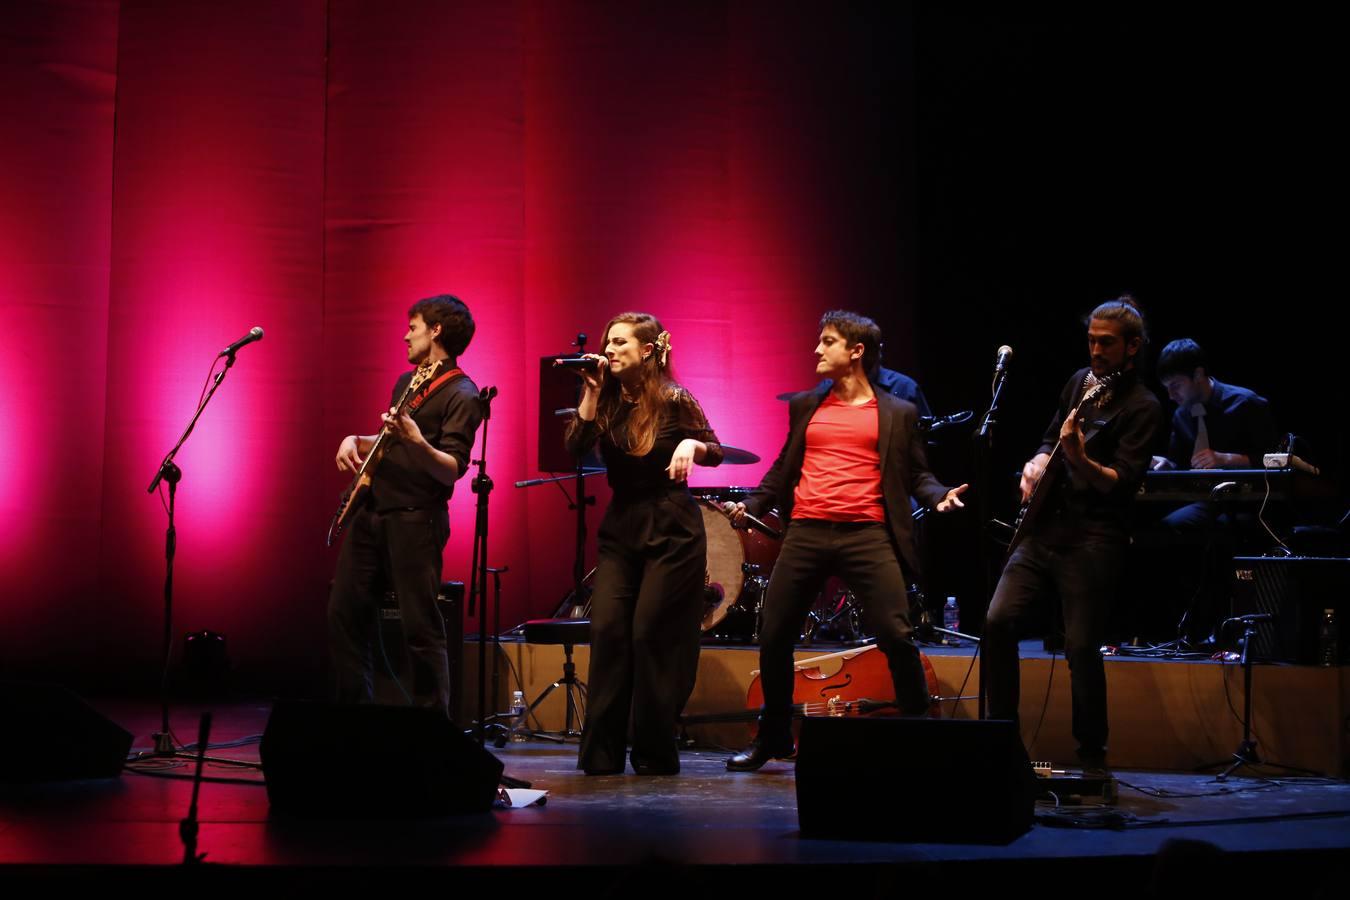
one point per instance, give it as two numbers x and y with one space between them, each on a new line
52 735
913 779
1295 590
337 761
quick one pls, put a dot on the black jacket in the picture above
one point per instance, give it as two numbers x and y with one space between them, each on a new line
904 468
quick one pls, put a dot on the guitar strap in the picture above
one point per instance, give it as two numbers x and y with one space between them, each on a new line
1096 423
426 393
1093 425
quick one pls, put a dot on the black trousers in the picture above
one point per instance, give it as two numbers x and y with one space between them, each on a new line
399 550
1085 574
646 615
863 555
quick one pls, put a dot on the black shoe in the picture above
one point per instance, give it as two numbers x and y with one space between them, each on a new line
761 751
590 767
1093 763
654 769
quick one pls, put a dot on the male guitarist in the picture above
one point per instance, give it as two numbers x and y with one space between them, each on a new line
1074 543
397 535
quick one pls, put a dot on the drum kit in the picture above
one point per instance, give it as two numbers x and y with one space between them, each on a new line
740 561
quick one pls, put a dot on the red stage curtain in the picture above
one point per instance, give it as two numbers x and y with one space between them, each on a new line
218 191
57 80
315 167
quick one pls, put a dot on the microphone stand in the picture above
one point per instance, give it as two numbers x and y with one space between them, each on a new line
574 604
580 602
482 487
1245 755
478 582
170 473
189 827
984 451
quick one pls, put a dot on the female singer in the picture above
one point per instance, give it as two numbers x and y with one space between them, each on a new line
647 604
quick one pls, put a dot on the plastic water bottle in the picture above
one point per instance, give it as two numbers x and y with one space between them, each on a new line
519 730
1329 639
951 620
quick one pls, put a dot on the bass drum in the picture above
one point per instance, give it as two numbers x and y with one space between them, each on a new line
739 563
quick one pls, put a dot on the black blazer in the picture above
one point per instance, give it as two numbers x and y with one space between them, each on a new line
904 468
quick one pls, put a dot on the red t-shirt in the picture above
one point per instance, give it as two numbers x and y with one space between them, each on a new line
841 472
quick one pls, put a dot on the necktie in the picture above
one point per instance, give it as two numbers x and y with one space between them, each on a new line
1201 432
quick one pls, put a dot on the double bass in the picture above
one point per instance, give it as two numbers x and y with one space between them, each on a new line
856 681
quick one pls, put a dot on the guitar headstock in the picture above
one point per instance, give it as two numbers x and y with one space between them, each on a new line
424 373
1101 389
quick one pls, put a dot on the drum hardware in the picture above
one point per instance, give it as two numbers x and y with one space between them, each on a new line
741 622
836 616
712 596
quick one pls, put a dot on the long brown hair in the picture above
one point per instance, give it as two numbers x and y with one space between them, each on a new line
1126 310
652 390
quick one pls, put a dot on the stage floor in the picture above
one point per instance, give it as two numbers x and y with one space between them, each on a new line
1166 714
704 829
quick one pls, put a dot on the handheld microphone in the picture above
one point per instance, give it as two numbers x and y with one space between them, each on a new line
582 363
254 334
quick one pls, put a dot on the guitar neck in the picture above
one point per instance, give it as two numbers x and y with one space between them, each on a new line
359 487
1044 487
383 435
376 451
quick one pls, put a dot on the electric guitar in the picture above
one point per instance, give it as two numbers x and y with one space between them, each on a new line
359 489
1031 510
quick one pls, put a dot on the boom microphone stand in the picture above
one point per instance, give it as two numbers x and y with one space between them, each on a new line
170 473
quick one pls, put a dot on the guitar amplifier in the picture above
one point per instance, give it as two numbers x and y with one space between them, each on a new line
393 674
1295 590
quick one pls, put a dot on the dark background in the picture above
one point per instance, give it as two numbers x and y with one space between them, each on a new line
1181 155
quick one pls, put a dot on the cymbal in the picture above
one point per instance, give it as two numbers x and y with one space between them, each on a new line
735 456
